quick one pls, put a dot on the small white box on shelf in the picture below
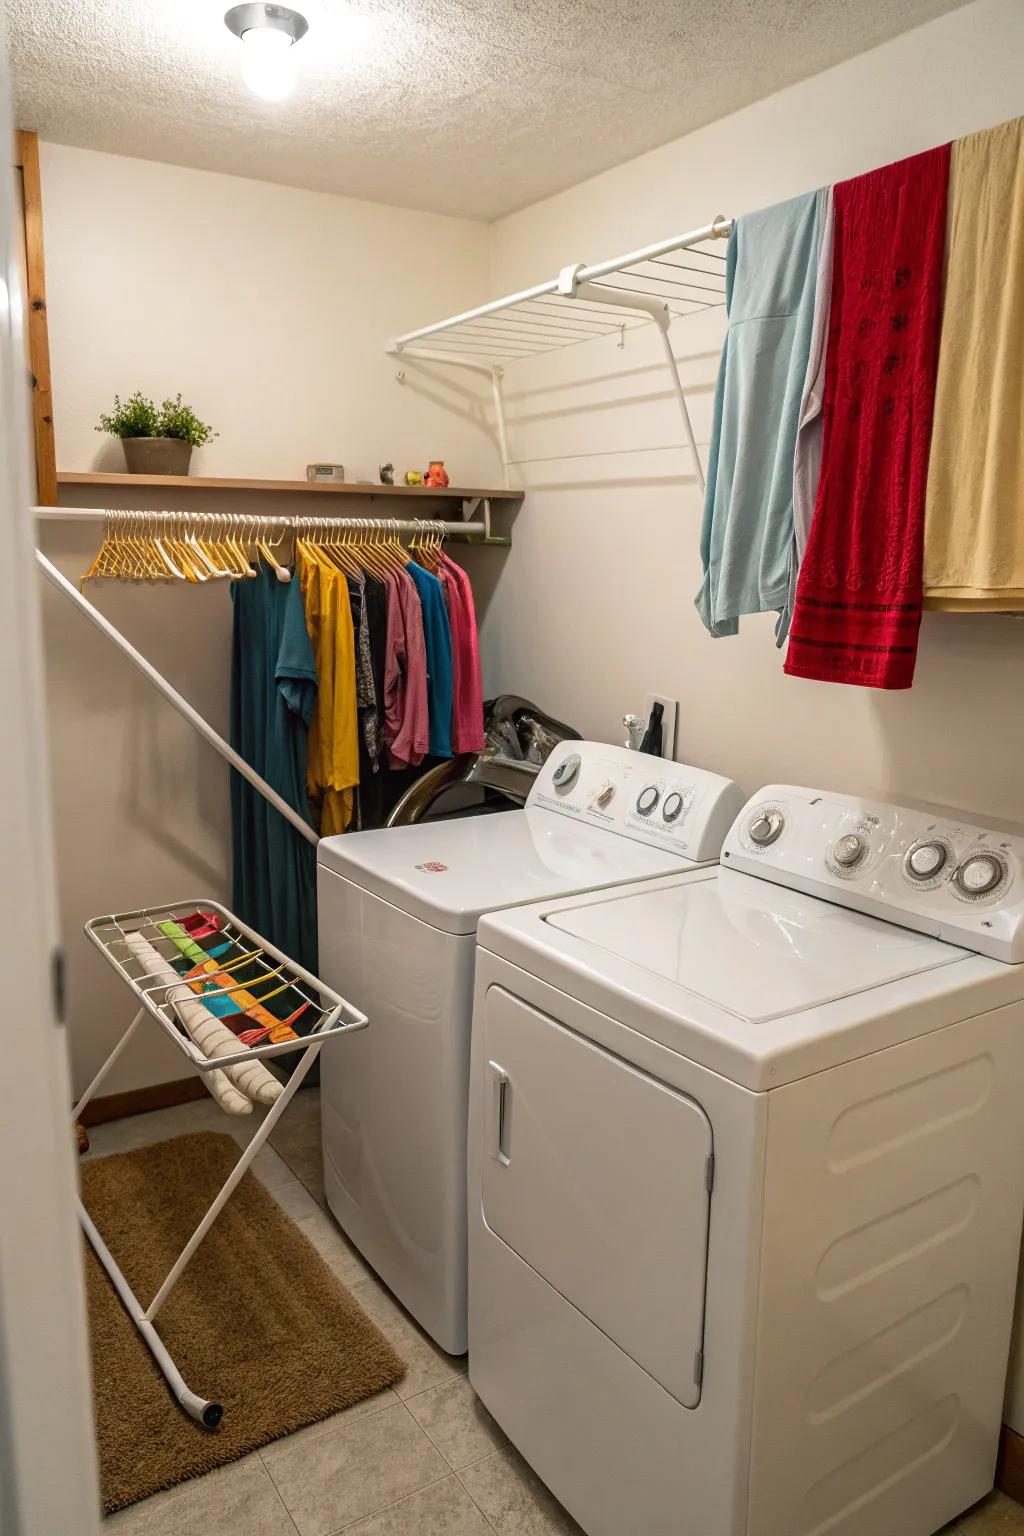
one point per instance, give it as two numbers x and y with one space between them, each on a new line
332 472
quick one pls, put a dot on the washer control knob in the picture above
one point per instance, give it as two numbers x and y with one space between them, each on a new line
605 797
926 860
647 799
766 828
673 807
567 772
979 874
849 850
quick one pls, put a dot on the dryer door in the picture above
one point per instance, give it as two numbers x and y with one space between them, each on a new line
598 1177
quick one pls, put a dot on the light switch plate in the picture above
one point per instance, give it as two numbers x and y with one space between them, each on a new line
668 721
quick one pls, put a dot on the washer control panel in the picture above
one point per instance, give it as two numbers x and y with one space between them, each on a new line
667 805
949 876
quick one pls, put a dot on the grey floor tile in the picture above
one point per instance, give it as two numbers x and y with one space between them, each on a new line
997 1515
307 1165
332 1245
361 1410
272 1170
296 1201
239 1500
426 1364
514 1499
445 1509
457 1422
337 1478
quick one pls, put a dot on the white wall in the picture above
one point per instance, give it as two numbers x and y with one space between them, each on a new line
270 309
606 558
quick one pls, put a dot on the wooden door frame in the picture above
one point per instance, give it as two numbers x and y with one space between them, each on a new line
26 160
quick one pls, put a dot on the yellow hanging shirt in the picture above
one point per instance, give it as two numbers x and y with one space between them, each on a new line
332 767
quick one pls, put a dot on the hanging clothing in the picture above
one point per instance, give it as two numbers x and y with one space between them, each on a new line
406 709
333 760
807 456
747 533
974 512
467 686
438 638
858 607
273 701
370 798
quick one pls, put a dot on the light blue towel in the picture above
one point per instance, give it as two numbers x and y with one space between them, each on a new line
747 533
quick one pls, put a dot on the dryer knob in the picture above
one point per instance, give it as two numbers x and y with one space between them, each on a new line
567 771
647 799
766 828
925 860
673 807
849 850
979 874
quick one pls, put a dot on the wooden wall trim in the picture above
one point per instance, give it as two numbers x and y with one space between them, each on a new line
26 159
1010 1464
139 1101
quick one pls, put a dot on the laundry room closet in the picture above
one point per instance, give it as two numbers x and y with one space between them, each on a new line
431 315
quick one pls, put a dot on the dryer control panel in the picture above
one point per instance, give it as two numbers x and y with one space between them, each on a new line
666 805
950 876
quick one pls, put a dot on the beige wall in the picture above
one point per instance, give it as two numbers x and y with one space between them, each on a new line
606 555
270 309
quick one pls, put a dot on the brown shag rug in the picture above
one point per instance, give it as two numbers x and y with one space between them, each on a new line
257 1322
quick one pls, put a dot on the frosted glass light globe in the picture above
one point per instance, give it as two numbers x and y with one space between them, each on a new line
268 67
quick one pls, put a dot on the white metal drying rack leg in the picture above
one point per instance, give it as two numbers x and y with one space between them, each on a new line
335 1017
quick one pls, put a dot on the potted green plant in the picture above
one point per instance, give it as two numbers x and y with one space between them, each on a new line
157 440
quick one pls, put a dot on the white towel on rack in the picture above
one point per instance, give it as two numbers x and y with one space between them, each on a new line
248 1080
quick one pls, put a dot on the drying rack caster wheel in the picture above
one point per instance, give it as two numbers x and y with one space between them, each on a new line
205 1413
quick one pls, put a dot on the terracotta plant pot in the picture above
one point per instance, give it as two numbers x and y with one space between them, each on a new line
156 455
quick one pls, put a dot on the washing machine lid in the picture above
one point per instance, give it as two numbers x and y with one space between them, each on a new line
757 982
449 873
757 950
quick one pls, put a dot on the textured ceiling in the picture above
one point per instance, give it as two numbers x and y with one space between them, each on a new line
473 107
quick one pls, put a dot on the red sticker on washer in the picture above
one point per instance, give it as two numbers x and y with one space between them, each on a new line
432 867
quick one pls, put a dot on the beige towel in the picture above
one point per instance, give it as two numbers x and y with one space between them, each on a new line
974 513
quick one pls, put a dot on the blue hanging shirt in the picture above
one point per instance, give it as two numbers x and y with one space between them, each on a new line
437 637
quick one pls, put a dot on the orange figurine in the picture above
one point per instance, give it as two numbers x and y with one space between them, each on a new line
437 475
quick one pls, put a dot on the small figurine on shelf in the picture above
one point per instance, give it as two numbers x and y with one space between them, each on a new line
387 474
414 477
437 475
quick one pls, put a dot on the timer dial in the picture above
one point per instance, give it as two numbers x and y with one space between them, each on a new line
647 800
766 828
979 875
925 861
673 807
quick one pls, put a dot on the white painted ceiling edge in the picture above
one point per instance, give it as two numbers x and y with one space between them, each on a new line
473 108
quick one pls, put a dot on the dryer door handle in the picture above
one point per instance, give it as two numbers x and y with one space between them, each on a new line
501 1102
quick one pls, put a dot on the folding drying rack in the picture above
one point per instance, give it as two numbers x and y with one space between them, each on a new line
331 1017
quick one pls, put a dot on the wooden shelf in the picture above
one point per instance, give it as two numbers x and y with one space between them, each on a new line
282 487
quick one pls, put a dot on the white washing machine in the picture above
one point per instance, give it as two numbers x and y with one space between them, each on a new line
398 912
746 1171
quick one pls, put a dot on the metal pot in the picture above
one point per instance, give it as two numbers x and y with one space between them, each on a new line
156 455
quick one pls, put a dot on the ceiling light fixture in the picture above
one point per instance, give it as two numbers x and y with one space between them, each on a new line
267 33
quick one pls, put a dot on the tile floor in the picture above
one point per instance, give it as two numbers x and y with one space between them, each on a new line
420 1460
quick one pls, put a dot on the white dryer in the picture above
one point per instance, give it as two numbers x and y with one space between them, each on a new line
746 1172
398 913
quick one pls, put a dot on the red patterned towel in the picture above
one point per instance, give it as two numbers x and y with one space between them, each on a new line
858 604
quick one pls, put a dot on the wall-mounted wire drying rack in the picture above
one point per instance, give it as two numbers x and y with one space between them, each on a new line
677 277
325 1018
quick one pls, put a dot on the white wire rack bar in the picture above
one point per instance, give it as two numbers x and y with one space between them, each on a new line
674 278
330 1017
466 529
